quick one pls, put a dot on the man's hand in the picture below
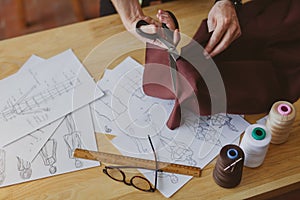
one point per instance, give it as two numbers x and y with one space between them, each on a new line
131 12
156 27
223 21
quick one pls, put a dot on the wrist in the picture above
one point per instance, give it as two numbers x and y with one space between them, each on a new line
130 12
131 20
236 3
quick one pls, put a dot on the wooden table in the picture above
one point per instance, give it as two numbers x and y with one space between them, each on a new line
102 43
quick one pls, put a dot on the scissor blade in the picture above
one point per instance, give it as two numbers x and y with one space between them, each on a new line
173 70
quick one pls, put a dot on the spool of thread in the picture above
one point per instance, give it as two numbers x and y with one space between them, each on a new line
280 120
255 144
229 167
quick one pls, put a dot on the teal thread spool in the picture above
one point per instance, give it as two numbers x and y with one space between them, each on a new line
258 133
255 144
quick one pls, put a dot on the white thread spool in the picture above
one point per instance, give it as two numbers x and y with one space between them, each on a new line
255 144
280 120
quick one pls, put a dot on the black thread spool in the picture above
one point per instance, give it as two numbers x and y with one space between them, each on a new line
229 167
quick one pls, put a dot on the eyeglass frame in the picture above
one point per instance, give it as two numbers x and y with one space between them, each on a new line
130 183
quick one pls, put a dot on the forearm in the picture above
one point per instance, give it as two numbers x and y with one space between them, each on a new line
130 11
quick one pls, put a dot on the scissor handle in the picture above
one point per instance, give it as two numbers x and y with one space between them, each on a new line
154 36
151 36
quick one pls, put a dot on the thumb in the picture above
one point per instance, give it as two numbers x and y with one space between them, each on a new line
176 37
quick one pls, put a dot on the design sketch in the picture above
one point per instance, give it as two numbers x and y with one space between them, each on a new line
2 166
48 154
107 119
209 128
179 151
174 151
30 153
73 139
222 120
142 115
172 177
30 103
24 167
125 100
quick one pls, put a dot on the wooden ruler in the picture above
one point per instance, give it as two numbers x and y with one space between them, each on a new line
137 162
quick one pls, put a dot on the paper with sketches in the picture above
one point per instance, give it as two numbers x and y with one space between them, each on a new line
28 146
167 183
48 91
131 115
76 131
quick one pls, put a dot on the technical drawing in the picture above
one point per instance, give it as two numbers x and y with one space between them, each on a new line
147 116
129 91
222 120
2 166
172 177
114 110
24 167
125 101
143 122
31 116
209 128
72 139
208 134
31 103
133 82
179 151
202 129
48 154
107 114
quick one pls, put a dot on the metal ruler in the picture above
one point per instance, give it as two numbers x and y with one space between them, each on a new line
137 162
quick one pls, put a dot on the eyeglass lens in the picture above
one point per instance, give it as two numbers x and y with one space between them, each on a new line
141 183
115 174
138 182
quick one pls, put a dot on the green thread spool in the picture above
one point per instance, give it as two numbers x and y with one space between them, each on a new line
258 133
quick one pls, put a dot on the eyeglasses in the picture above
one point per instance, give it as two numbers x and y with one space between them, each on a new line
139 182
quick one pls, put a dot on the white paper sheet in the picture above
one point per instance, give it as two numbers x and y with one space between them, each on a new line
76 131
262 120
131 115
43 94
29 146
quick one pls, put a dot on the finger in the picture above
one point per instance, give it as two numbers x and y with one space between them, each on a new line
223 44
164 17
150 20
215 38
228 38
176 37
162 13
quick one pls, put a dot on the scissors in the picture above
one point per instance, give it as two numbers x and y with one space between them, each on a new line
167 40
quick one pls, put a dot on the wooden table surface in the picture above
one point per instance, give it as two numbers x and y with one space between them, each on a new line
102 43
